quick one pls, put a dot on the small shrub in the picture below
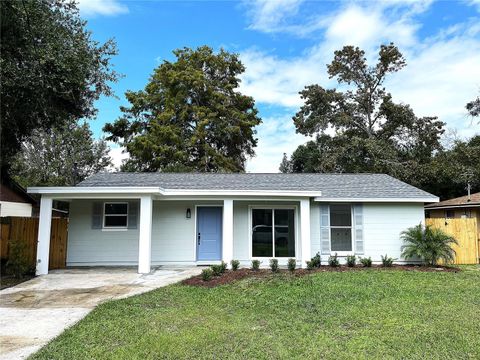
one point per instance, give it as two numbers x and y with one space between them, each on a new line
333 261
207 274
366 262
351 260
255 265
223 266
235 264
387 261
292 264
18 264
316 260
217 269
310 265
274 265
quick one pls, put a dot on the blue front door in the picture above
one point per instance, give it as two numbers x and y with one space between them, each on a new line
209 233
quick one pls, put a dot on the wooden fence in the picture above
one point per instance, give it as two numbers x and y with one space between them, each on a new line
26 230
465 232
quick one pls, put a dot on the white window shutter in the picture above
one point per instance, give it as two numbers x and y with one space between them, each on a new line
97 215
358 229
325 229
133 210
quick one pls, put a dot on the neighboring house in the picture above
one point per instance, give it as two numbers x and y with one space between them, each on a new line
462 207
149 219
467 206
14 200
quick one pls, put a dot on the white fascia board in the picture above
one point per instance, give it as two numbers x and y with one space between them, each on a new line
379 200
135 190
453 207
200 192
66 190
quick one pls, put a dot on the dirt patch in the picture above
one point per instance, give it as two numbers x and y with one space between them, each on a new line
231 276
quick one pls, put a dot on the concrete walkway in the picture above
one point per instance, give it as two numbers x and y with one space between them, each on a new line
36 311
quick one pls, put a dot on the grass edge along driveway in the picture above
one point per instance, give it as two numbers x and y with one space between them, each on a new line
361 314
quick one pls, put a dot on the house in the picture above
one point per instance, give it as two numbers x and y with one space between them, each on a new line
459 217
14 200
467 206
146 219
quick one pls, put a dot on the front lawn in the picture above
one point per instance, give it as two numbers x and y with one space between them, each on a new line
357 314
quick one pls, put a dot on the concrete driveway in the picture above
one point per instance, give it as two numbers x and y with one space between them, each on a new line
36 311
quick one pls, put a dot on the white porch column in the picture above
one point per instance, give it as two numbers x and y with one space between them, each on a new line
305 231
44 228
145 235
227 236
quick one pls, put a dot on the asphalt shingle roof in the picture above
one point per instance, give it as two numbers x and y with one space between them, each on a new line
331 185
473 200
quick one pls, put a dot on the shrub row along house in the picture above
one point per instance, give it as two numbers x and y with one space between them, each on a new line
146 219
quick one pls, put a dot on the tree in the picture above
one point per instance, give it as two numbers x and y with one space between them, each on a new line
60 157
473 107
429 244
52 71
285 165
371 132
190 117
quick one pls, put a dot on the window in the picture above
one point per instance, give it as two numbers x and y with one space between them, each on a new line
341 228
273 232
449 214
115 215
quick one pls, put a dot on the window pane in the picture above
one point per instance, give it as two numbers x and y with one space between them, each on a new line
116 208
284 233
341 239
340 215
120 221
262 232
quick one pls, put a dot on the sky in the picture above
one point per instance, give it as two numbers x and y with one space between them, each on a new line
286 45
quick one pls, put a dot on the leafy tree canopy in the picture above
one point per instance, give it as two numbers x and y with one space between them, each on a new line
51 69
61 156
189 117
371 133
473 107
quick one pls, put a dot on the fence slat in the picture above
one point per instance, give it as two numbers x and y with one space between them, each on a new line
464 230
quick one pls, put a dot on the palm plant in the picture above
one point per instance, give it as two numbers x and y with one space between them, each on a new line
429 244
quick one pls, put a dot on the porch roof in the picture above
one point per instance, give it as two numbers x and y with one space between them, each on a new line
324 187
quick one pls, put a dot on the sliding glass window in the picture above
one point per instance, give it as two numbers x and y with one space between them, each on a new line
277 243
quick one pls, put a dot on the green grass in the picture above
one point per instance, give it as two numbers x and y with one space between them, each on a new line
361 314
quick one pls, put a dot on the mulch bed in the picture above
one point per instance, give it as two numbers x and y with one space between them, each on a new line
231 276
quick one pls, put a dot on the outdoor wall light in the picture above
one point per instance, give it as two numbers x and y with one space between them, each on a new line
189 214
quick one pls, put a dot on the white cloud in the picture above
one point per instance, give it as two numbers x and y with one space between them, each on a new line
117 155
269 15
101 7
442 74
276 135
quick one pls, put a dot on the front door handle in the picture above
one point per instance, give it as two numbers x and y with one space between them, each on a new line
198 238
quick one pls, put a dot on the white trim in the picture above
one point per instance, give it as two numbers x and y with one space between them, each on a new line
453 207
93 190
115 215
67 190
374 200
272 207
227 231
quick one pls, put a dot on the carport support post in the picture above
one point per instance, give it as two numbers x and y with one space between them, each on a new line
145 235
305 231
227 231
44 228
